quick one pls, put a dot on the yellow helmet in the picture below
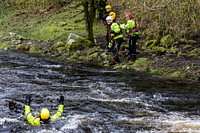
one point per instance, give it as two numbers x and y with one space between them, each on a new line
45 114
108 7
113 15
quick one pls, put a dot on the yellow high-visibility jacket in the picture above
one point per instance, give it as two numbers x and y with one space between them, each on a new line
36 121
130 27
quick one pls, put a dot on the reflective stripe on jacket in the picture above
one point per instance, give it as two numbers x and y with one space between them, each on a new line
116 28
129 27
36 121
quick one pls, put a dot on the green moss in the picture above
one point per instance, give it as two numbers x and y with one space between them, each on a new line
3 45
173 50
187 46
183 40
158 71
22 47
166 41
178 74
59 44
34 49
141 64
159 50
151 43
192 42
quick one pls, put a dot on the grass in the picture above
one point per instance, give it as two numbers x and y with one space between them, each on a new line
46 26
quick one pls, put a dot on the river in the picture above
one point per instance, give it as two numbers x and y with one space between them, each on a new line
97 99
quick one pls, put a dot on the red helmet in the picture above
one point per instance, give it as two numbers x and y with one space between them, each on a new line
128 14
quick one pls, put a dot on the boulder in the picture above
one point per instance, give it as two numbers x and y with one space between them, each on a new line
75 42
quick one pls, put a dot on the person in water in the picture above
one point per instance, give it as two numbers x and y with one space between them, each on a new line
44 116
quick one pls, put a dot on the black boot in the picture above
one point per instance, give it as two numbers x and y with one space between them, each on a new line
133 57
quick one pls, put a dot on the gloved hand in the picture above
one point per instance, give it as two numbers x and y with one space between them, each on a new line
61 100
28 100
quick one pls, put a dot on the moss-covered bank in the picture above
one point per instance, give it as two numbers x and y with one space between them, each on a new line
165 49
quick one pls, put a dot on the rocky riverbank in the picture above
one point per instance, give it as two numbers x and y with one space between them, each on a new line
174 62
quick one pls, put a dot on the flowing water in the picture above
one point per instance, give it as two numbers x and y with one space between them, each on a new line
97 100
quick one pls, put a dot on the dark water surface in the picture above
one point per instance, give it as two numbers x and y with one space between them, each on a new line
97 100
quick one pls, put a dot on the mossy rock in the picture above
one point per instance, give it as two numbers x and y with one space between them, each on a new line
59 44
158 71
34 49
61 50
187 46
94 49
74 46
151 43
93 57
183 40
178 74
85 43
192 42
140 64
6 38
159 50
149 34
173 50
3 45
75 55
167 41
194 52
180 54
22 47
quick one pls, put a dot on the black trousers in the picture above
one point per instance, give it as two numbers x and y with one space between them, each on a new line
132 46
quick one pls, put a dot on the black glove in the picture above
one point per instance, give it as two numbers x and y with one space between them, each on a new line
28 100
61 100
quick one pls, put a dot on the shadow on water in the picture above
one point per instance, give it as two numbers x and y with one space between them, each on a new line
96 99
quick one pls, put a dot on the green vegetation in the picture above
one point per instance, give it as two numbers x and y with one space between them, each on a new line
168 30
